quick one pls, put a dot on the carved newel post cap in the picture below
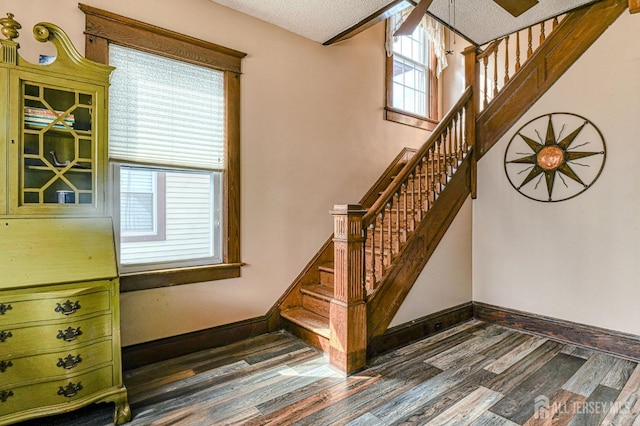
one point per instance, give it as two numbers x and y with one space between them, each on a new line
347 208
10 27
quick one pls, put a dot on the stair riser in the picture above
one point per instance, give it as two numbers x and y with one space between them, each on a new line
318 306
326 278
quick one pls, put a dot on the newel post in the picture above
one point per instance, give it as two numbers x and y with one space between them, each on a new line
472 78
348 311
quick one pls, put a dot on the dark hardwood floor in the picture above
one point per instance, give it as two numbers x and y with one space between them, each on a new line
475 374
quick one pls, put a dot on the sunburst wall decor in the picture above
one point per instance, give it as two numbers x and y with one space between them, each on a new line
555 157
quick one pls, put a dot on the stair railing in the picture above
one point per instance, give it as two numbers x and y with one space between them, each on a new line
390 221
367 241
495 66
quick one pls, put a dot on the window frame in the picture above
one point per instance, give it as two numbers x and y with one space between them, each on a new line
397 115
102 28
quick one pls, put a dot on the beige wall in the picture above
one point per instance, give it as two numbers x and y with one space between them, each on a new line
313 135
578 259
452 80
446 279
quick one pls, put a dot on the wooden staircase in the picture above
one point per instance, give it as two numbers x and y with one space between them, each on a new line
390 222
383 243
305 306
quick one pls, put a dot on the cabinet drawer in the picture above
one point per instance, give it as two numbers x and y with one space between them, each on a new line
62 335
55 364
57 392
22 308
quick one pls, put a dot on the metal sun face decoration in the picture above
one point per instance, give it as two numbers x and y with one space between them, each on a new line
545 164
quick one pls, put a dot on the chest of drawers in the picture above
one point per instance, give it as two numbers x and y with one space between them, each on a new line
59 341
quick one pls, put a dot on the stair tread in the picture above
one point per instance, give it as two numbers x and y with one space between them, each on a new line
326 267
320 291
309 320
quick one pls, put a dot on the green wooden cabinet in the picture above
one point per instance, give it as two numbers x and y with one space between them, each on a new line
59 292
53 132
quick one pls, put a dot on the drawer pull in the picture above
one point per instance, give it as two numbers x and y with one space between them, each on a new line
4 308
4 365
70 390
4 395
68 307
4 335
69 362
69 334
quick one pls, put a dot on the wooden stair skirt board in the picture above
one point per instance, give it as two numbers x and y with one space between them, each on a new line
610 341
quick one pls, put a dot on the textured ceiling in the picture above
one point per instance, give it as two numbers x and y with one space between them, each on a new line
478 20
482 21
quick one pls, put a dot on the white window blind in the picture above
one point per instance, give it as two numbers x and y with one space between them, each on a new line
165 112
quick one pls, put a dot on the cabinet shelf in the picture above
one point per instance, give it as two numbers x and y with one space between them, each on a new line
59 130
49 169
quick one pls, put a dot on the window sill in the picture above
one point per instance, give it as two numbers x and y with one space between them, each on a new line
402 117
171 277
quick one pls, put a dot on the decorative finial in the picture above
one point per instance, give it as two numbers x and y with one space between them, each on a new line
10 27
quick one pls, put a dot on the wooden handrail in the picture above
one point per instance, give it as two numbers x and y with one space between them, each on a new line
406 171
491 48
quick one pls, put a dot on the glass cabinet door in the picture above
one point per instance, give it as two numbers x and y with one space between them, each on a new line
57 154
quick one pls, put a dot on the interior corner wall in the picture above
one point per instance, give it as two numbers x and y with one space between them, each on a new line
576 260
445 281
312 135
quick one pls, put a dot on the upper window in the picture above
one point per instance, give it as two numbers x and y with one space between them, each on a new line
412 70
173 149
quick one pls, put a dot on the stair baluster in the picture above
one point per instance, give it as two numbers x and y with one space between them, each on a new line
496 51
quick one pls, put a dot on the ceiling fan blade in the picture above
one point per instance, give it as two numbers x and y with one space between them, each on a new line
516 7
412 21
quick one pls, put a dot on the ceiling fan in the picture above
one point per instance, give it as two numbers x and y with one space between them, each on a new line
514 7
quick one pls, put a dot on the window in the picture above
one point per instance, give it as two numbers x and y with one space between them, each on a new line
173 151
411 72
413 63
166 122
184 228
